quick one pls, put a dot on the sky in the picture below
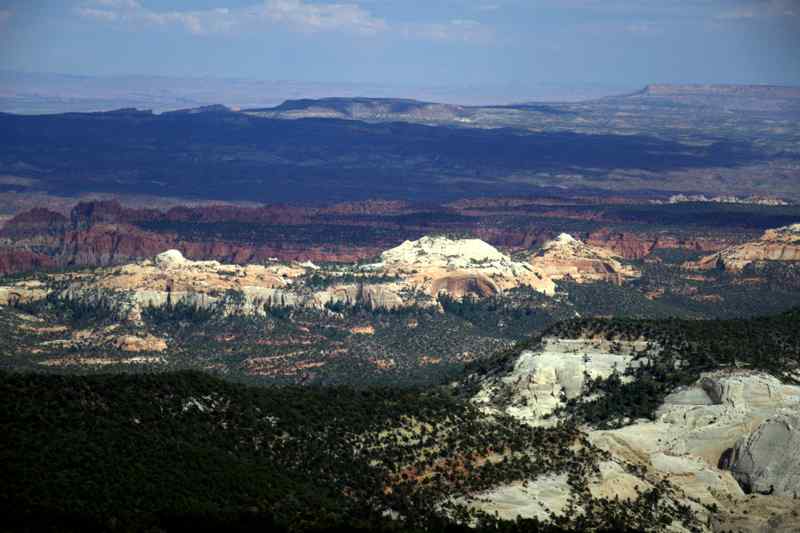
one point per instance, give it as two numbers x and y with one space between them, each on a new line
410 42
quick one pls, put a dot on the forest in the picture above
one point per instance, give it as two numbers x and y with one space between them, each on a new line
166 452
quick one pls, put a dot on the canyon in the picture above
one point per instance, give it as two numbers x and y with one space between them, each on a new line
105 232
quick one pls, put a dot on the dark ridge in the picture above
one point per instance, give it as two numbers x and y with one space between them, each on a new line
215 108
342 104
547 109
238 156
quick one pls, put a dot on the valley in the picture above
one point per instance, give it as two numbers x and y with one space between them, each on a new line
378 292
380 314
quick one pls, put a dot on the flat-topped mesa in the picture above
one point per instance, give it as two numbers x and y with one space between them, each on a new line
368 109
728 90
566 256
780 244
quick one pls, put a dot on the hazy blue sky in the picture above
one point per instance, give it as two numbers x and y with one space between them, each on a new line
410 41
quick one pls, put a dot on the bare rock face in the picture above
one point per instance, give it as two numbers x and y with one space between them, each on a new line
35 227
133 343
459 267
13 261
782 244
768 460
378 296
624 244
541 380
368 109
729 433
170 259
640 245
23 292
566 256
442 251
415 273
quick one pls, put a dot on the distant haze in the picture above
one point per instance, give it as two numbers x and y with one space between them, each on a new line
35 93
460 51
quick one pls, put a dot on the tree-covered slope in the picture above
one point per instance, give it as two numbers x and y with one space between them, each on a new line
175 451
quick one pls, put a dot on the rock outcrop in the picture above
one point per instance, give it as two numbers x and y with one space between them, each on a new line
782 244
541 380
105 233
415 273
13 261
35 227
768 460
566 256
630 245
460 267
729 434
442 251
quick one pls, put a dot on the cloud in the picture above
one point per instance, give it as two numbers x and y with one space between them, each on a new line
635 28
299 15
313 17
119 4
456 30
643 27
760 9
97 14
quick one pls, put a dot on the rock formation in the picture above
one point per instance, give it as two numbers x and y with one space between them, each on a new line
640 245
782 244
461 267
13 261
728 434
104 233
442 251
768 460
541 380
415 273
568 257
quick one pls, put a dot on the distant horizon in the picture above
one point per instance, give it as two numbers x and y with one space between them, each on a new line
44 92
460 43
551 83
33 92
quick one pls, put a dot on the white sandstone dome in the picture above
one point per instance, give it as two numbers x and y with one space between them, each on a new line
444 251
170 258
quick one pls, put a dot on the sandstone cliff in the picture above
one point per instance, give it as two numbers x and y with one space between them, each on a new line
565 256
414 273
103 232
782 244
